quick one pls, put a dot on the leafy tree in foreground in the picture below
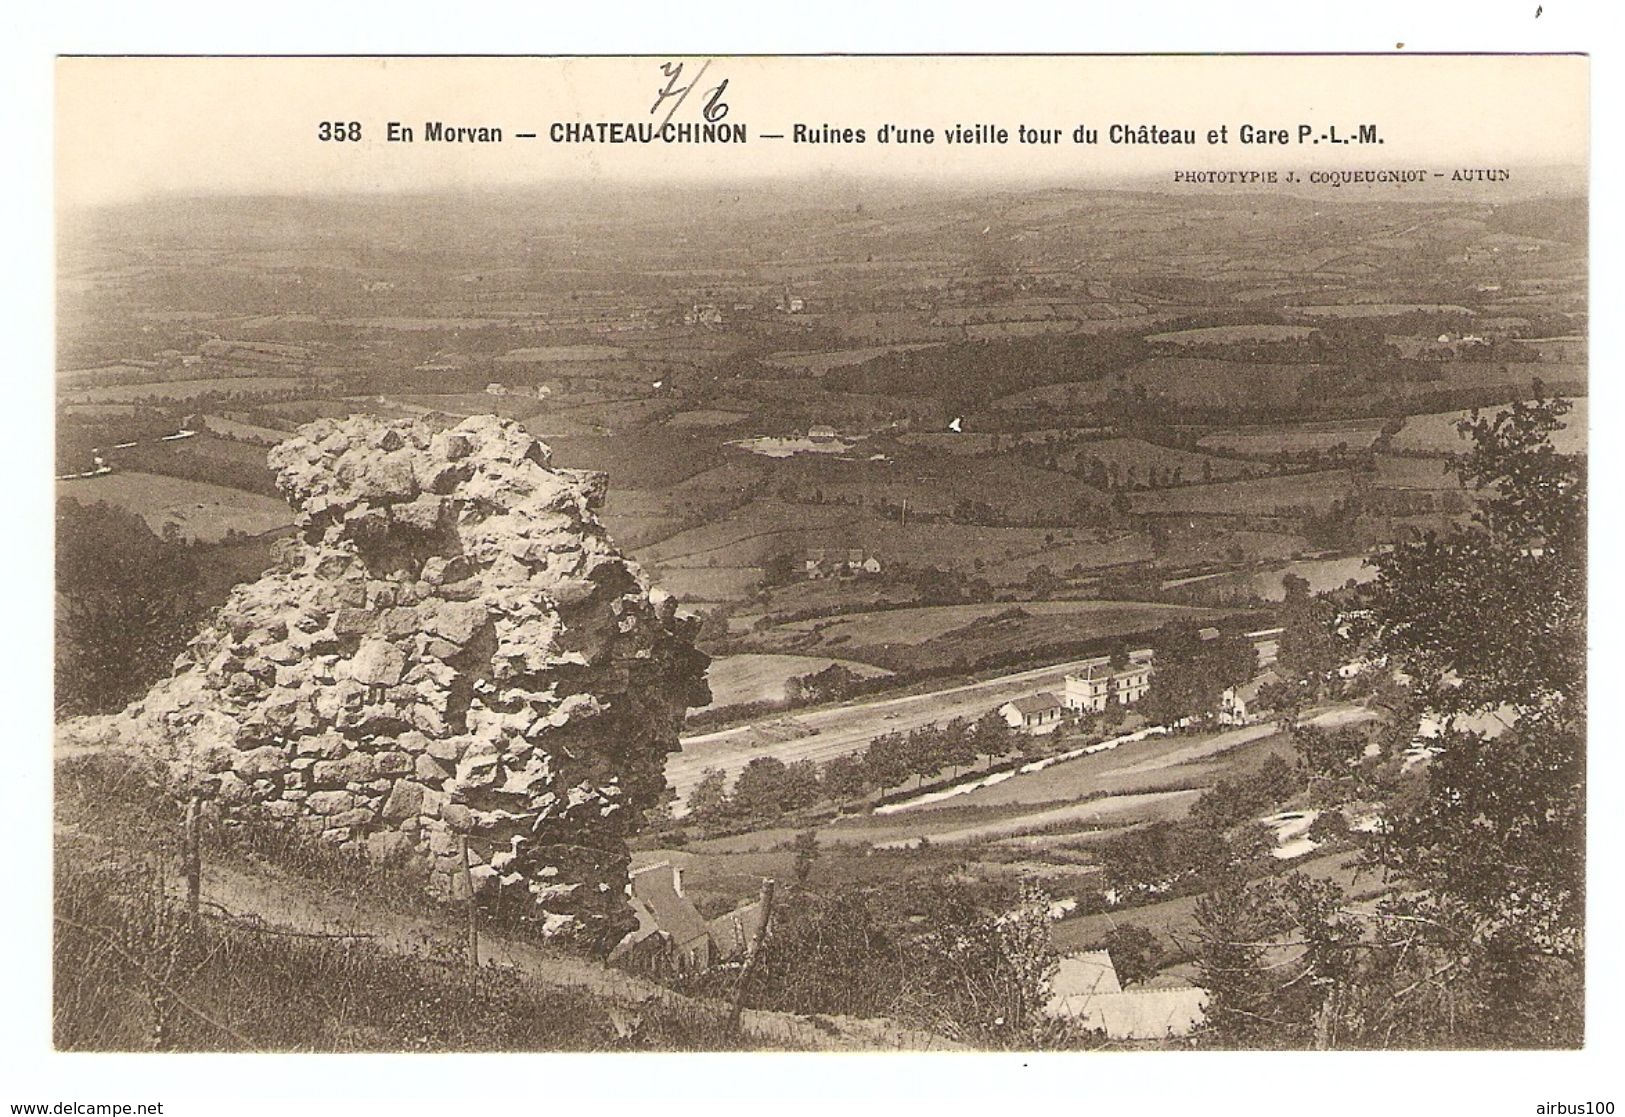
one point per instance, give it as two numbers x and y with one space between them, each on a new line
1276 958
886 762
1492 612
990 736
956 747
126 606
801 786
965 959
1479 941
1489 620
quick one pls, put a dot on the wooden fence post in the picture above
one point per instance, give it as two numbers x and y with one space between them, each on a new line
755 950
473 911
192 855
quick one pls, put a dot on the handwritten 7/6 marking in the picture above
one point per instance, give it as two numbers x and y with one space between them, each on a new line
714 109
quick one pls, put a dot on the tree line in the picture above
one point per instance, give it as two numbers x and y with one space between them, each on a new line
768 788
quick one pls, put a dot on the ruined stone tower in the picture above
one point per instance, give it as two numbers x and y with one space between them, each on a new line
449 649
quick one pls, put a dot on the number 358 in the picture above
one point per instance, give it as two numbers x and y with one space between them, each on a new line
339 131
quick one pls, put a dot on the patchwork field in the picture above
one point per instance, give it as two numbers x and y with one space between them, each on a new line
243 432
1135 460
649 458
1200 542
1428 474
1261 496
1232 335
1062 558
1321 574
463 404
177 391
1376 310
835 595
1238 385
927 623
963 636
1067 395
754 532
820 362
709 584
296 412
689 420
546 354
747 534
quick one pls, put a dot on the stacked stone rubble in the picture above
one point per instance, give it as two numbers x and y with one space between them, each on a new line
449 650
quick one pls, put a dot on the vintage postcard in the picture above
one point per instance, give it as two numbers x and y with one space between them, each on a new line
874 554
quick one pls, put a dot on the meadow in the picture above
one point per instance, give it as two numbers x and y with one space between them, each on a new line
201 512
1436 434
1265 442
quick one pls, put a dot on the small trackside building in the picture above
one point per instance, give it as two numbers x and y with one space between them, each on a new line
1037 713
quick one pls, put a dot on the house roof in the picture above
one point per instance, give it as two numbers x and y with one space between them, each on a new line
655 889
1145 1013
1083 975
1085 987
1249 692
1039 703
734 932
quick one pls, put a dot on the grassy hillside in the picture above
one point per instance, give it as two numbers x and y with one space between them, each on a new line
298 947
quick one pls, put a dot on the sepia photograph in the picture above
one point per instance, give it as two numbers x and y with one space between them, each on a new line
840 554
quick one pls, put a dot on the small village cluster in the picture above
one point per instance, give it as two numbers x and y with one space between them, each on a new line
1098 685
833 562
1091 689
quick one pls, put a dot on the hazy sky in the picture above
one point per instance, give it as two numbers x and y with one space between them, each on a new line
128 128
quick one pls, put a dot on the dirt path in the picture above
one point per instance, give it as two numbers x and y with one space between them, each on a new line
266 894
